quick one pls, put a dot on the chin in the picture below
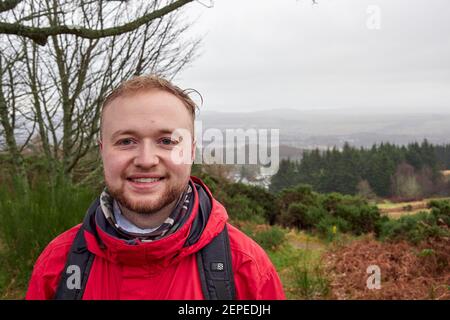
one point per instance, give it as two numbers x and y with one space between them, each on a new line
143 206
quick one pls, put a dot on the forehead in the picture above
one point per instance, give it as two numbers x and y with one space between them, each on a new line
146 112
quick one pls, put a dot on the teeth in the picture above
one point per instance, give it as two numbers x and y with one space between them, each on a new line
146 179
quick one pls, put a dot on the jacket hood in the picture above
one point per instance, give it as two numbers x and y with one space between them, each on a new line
207 219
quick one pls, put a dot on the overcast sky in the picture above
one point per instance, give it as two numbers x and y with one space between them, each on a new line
274 54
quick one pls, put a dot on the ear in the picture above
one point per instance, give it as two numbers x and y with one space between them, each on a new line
193 149
100 144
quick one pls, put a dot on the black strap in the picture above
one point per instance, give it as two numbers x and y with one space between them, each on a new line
215 268
76 272
79 262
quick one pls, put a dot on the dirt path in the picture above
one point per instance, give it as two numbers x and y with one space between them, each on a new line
304 242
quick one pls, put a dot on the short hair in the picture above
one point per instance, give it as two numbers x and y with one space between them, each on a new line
149 82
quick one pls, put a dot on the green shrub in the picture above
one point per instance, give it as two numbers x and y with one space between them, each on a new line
413 228
240 207
295 216
418 227
243 202
270 239
314 215
331 201
440 211
299 194
257 195
442 205
325 213
360 218
329 227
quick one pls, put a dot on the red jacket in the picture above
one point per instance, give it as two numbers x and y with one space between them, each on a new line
162 269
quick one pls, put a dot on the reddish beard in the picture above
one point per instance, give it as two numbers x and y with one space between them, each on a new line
168 196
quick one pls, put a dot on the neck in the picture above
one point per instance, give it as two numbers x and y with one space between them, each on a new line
148 221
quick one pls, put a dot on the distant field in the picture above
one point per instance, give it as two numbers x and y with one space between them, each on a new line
398 209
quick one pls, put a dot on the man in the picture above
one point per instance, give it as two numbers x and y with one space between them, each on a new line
146 235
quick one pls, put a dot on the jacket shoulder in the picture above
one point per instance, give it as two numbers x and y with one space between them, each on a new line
246 249
49 265
255 275
60 245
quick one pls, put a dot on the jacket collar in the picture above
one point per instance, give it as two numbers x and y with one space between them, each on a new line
206 220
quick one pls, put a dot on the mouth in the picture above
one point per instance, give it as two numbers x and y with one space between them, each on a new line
140 183
144 180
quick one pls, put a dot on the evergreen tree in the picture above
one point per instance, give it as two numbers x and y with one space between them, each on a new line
286 176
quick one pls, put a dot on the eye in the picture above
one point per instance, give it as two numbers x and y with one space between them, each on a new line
125 142
168 141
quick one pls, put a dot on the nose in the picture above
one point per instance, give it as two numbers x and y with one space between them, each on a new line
146 156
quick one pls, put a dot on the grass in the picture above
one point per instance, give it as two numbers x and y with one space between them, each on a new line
301 272
28 222
386 204
300 266
297 259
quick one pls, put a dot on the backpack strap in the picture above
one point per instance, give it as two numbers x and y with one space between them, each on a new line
215 268
78 265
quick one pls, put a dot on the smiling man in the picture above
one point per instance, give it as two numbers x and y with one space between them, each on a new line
155 232
138 147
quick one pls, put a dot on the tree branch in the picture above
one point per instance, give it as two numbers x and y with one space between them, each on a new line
40 35
8 5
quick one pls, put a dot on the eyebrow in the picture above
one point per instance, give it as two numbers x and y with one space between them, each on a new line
135 133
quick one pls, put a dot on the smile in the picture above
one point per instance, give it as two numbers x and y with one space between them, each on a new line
145 180
144 184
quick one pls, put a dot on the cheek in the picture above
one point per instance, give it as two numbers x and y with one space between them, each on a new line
114 165
184 172
179 158
178 170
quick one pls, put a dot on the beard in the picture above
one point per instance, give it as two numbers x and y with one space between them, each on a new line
147 206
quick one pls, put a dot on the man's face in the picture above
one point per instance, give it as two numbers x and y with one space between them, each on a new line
141 146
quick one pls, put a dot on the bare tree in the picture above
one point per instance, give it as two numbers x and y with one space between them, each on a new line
62 85
10 97
404 183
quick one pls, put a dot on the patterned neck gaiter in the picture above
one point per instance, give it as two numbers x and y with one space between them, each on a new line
176 219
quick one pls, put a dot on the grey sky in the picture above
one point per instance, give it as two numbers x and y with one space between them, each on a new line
273 54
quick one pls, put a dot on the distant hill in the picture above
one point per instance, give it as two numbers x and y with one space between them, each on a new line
290 152
323 129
